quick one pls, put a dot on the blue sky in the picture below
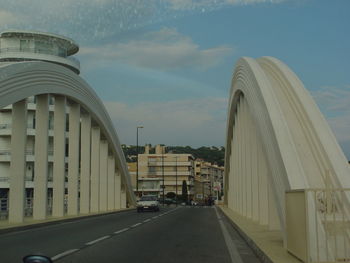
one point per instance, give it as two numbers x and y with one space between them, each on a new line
167 64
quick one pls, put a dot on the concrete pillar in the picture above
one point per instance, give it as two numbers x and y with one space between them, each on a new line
255 177
85 153
274 223
18 162
95 170
239 158
73 158
244 171
41 157
231 175
103 175
234 167
59 146
123 197
263 185
117 187
249 163
111 183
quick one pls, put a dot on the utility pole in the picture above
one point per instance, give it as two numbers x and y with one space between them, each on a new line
137 158
176 178
163 177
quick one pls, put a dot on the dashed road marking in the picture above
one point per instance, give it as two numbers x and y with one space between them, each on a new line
63 254
136 225
121 231
97 240
147 220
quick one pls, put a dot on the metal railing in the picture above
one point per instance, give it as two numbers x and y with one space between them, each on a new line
329 224
44 51
318 224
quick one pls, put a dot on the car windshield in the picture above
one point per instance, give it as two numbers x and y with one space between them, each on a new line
148 198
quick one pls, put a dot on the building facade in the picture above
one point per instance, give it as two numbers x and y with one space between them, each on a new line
59 152
208 181
171 169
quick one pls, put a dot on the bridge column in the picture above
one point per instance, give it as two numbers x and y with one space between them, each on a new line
85 152
95 169
103 175
117 187
111 183
255 177
248 161
59 146
233 169
18 162
123 196
263 185
231 175
73 160
274 223
240 152
41 157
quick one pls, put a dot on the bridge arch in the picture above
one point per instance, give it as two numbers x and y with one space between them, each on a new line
21 80
277 140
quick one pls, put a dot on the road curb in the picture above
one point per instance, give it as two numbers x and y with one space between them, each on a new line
58 221
258 251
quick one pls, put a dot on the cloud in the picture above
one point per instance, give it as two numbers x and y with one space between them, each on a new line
182 122
166 49
89 21
7 17
209 5
334 103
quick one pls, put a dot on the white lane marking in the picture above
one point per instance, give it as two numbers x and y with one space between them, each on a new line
63 254
154 217
97 240
147 220
121 231
136 225
232 249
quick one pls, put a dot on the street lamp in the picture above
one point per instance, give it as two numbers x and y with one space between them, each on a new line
176 178
137 158
163 177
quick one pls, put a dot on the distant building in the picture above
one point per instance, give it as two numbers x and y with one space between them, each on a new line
173 168
147 186
208 180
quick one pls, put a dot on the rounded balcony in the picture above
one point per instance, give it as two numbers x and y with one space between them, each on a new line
37 46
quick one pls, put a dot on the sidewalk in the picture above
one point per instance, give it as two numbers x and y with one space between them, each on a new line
267 244
29 222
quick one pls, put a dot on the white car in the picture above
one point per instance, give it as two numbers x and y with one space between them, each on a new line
148 202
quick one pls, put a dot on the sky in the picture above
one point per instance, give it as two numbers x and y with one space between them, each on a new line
167 64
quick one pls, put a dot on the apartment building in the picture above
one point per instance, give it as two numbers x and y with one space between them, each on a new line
208 180
171 168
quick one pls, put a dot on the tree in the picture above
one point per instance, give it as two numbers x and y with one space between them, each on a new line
184 191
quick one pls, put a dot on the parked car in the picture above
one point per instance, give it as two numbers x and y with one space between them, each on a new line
148 202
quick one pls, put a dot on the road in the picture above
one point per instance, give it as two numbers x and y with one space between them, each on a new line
183 234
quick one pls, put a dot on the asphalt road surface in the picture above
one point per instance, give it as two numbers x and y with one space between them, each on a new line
183 234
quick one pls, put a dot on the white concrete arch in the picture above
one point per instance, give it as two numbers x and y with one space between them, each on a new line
21 80
277 140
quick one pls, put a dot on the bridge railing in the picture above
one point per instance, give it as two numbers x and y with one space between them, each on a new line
318 224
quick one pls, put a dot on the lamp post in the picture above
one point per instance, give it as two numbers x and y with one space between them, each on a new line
137 158
163 178
176 178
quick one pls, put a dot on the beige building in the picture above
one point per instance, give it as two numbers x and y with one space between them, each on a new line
172 168
208 180
147 186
